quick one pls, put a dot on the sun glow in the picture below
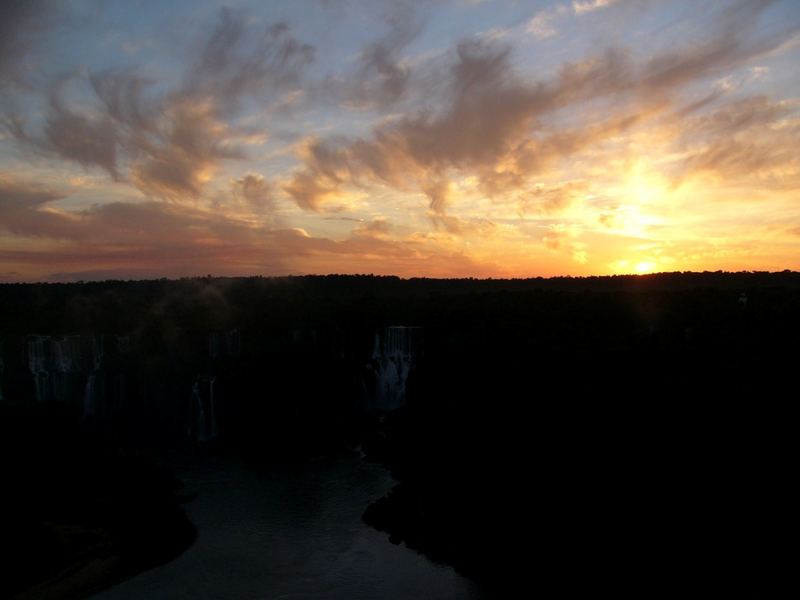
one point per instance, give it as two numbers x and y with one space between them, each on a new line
644 185
627 267
645 266
642 193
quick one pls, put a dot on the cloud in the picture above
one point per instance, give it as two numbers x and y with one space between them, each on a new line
26 211
154 239
169 144
253 190
86 141
587 6
541 25
123 96
485 109
487 124
458 227
23 210
177 162
547 200
749 138
16 195
381 77
310 190
493 124
438 191
238 60
733 42
378 227
475 135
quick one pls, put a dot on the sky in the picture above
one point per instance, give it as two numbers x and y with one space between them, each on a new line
450 138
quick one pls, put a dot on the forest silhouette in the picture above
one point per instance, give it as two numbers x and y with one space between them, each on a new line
627 433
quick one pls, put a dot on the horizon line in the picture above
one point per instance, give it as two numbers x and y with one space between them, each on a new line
211 276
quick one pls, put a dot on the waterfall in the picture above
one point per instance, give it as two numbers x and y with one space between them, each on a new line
35 354
65 369
233 342
90 397
40 382
37 365
97 352
213 345
211 411
394 357
224 343
197 415
123 344
202 417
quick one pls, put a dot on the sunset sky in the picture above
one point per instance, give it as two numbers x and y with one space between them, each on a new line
449 138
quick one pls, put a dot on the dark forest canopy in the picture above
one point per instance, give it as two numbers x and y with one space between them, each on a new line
541 410
685 278
217 302
392 283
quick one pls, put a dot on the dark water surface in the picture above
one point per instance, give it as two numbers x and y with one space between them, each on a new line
290 534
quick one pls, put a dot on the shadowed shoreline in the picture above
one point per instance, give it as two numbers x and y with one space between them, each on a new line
79 514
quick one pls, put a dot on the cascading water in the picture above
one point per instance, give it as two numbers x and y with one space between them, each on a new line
97 352
66 354
71 369
89 373
395 355
35 353
37 365
41 385
123 344
212 416
90 398
202 417
224 343
214 344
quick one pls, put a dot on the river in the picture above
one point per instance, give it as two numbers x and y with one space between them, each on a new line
283 534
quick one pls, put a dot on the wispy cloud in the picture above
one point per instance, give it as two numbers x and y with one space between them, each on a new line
173 142
587 6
